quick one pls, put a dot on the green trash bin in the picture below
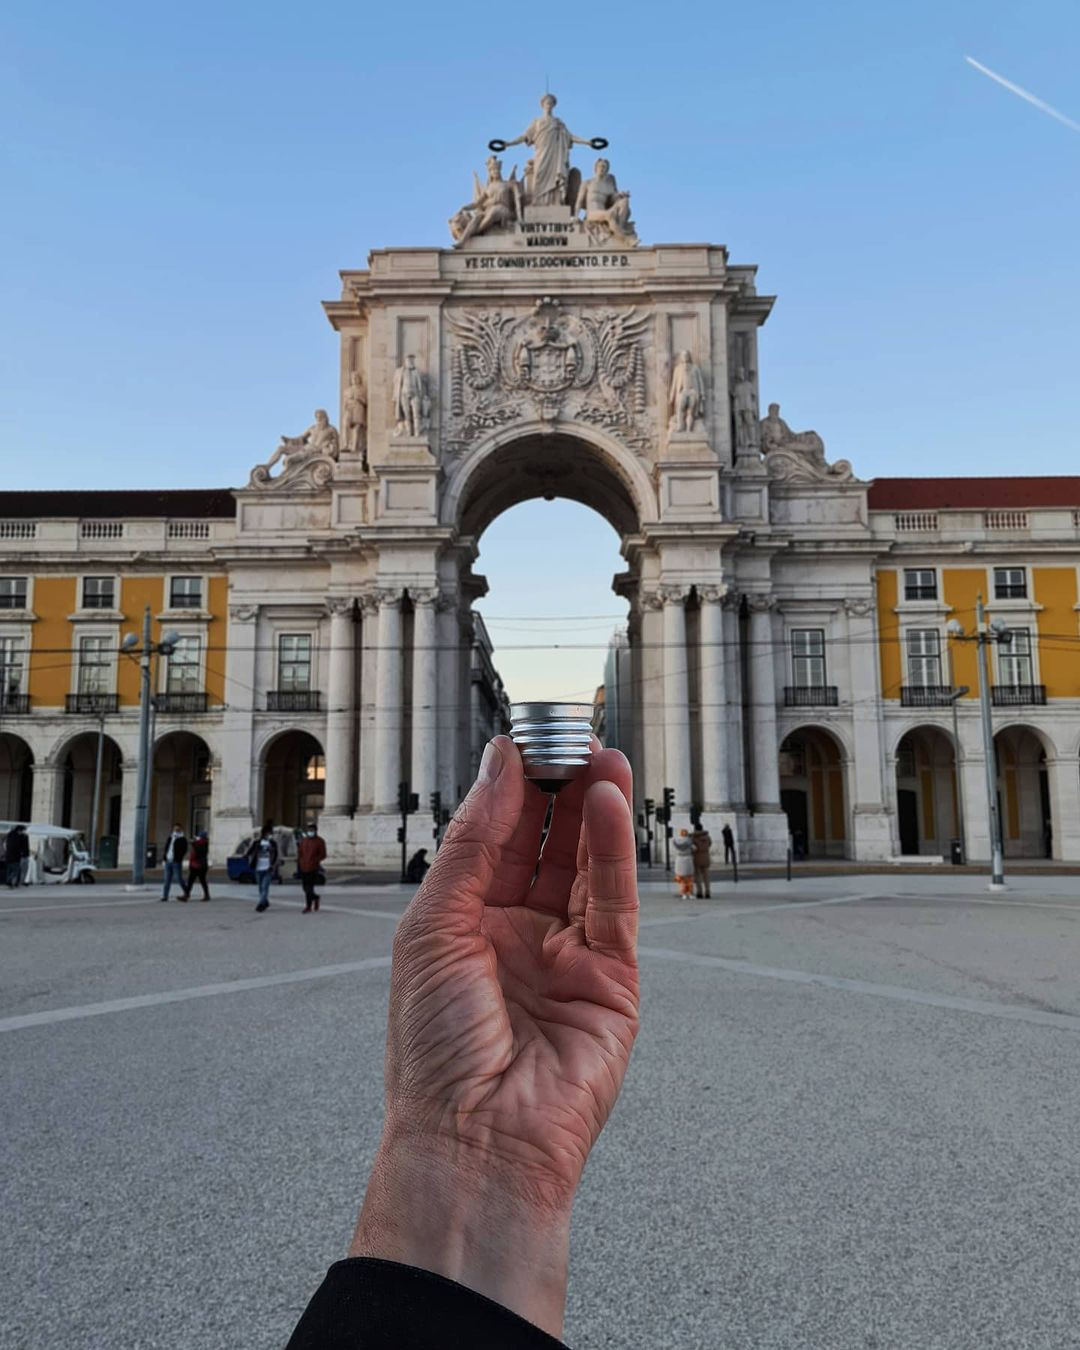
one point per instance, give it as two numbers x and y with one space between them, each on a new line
107 851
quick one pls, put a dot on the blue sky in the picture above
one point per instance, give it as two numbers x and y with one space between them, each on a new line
181 185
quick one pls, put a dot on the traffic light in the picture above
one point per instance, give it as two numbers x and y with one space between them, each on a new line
650 806
436 805
401 834
408 802
669 801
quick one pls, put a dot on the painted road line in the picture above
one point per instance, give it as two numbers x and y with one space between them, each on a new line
659 921
114 1005
897 993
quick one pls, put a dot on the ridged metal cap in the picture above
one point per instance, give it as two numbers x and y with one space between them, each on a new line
555 741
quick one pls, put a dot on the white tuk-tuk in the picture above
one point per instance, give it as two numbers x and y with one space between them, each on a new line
56 854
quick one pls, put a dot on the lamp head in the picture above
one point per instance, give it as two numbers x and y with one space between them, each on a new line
999 628
954 628
128 641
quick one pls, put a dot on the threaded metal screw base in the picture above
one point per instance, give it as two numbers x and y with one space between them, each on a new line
555 741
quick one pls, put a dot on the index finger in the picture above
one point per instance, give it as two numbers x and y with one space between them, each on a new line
611 909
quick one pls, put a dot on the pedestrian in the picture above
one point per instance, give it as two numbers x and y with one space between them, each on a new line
728 837
16 855
418 865
310 852
702 842
173 861
262 858
684 863
198 864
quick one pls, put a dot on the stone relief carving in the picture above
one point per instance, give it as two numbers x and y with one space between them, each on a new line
354 415
712 595
760 603
792 456
369 603
338 604
496 204
309 458
412 401
673 595
686 396
606 209
550 364
744 406
423 595
243 613
858 606
651 599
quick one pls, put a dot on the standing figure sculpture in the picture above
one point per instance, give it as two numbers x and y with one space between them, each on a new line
354 415
605 205
744 404
494 204
687 394
550 140
411 403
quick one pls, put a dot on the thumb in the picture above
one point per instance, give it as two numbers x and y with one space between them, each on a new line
456 887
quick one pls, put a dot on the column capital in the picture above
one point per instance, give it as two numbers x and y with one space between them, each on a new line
446 602
713 594
673 595
423 596
760 603
338 605
651 599
387 597
858 606
243 613
368 602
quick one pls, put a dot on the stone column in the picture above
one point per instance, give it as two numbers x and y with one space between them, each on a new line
129 782
235 798
649 695
369 675
676 696
714 788
448 628
388 703
870 827
425 696
733 709
45 787
1064 784
766 748
340 780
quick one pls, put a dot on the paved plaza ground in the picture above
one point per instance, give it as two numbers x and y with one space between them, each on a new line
852 1118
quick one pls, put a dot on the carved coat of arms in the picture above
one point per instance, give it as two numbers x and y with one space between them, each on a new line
549 364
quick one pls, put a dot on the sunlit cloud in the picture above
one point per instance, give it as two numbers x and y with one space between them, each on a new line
1022 93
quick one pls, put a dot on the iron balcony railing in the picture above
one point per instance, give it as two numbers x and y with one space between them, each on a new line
811 696
927 695
187 702
92 705
14 703
1012 695
293 700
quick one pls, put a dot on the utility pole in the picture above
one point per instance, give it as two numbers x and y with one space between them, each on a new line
92 833
147 649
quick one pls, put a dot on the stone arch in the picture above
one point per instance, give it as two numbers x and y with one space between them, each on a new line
16 777
531 460
814 791
292 778
181 784
1021 753
75 758
927 792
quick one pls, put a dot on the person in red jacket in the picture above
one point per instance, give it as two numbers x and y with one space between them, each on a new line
310 852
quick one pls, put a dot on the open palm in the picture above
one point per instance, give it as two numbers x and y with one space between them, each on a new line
514 997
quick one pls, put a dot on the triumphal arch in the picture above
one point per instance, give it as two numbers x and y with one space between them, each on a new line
545 351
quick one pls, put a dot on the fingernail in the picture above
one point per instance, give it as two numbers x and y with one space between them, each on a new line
491 764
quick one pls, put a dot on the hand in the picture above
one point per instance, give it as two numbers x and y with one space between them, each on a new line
513 1010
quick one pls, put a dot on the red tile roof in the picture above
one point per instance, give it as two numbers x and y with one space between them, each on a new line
966 494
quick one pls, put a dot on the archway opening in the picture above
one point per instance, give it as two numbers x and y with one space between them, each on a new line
16 777
181 786
1023 794
293 780
813 795
78 772
927 803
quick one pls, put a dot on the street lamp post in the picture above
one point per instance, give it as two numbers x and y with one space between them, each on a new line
984 635
146 649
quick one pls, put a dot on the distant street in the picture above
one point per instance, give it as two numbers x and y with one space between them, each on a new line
851 1119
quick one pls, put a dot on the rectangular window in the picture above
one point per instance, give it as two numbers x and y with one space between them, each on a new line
1014 658
12 592
920 583
95 665
99 593
185 593
294 662
12 661
1010 583
808 657
924 657
182 672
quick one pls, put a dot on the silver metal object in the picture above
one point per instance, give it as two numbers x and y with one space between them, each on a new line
555 741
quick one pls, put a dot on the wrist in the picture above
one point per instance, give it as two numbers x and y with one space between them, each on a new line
453 1215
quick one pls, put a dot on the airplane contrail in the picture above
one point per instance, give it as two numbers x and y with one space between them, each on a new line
1023 93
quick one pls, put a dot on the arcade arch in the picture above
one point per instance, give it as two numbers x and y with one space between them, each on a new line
1023 790
813 793
181 786
293 774
77 762
16 777
927 805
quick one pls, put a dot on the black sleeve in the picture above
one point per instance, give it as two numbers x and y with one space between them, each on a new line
364 1304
